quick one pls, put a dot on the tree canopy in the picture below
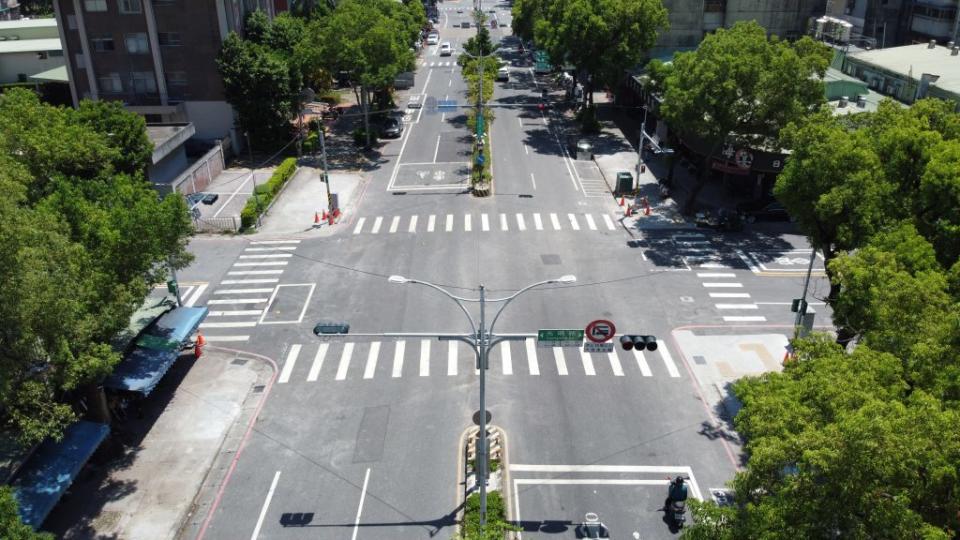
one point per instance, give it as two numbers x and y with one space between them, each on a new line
82 239
739 83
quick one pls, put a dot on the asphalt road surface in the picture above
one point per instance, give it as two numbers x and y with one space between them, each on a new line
358 437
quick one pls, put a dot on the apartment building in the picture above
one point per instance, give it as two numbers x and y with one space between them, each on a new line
156 56
691 20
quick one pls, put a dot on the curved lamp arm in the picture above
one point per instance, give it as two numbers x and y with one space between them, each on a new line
458 300
506 300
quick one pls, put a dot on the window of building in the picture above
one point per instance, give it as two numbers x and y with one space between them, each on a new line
137 43
129 6
95 5
177 78
143 82
164 3
55 54
169 39
102 43
72 22
110 83
42 55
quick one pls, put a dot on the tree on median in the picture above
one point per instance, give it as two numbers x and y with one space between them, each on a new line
743 84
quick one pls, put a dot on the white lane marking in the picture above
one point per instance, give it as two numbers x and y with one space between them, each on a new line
317 362
266 504
237 301
372 360
587 363
344 361
521 467
413 224
503 222
436 150
716 275
573 222
609 222
520 223
275 248
431 221
788 303
237 313
592 481
526 150
394 224
724 285
737 306
273 242
247 281
520 121
505 358
376 225
227 338
363 495
425 358
398 358
555 221
288 364
196 294
615 363
467 222
452 351
532 357
758 318
267 256
667 359
642 363
731 295
254 272
484 222
561 361
359 227
244 324
242 291
449 226
537 222
532 179
271 263
590 223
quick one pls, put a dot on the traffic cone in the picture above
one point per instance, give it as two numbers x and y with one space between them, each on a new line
646 210
201 341
197 350
316 218
629 211
622 200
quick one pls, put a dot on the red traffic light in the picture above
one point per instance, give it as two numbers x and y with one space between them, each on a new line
640 342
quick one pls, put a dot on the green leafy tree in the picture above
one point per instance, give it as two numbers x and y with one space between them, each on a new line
480 44
524 15
11 528
600 38
123 130
744 85
261 86
81 243
36 8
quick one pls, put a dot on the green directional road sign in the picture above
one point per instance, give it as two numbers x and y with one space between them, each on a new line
560 338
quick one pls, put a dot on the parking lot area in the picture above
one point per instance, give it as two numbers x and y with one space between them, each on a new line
226 196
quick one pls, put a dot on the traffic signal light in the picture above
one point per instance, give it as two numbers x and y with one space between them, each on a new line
640 342
798 304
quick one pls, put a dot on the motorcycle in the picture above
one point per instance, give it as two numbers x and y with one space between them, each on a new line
722 220
676 506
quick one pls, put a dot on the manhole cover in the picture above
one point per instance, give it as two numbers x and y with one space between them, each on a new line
257 389
239 361
550 259
699 359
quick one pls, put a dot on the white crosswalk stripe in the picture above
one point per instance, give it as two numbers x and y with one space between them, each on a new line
275 248
267 256
413 224
590 223
449 226
537 222
573 222
270 263
609 222
431 221
359 227
314 372
520 223
484 222
467 223
503 222
376 225
555 221
394 224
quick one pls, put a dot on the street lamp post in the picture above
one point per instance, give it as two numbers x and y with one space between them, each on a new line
480 340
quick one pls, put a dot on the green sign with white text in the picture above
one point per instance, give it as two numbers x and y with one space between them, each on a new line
560 338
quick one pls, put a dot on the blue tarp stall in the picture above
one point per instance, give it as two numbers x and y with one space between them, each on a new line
155 351
51 469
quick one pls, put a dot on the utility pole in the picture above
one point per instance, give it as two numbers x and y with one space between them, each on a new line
802 308
480 341
323 161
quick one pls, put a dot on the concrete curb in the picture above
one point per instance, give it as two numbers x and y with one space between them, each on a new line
224 463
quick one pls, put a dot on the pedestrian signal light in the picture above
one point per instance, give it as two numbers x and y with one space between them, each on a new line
640 342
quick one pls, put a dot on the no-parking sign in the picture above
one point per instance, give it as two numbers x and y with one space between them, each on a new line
600 331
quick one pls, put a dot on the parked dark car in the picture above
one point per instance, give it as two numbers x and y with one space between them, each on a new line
391 127
763 211
194 199
210 198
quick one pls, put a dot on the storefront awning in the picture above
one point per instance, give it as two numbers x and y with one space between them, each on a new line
155 351
52 468
57 74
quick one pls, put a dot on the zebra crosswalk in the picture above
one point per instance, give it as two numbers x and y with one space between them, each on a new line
421 358
425 63
487 222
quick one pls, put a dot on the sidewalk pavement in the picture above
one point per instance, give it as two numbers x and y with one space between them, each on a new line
304 198
145 479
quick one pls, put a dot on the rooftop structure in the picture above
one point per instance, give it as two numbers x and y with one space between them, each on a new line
29 47
909 72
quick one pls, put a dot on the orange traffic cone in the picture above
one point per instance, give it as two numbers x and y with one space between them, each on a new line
629 211
622 200
316 218
324 215
201 341
197 350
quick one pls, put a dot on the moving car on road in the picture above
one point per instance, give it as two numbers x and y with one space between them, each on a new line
391 127
503 74
433 38
446 49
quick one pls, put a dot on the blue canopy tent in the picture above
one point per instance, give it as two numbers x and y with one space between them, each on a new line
51 469
155 351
